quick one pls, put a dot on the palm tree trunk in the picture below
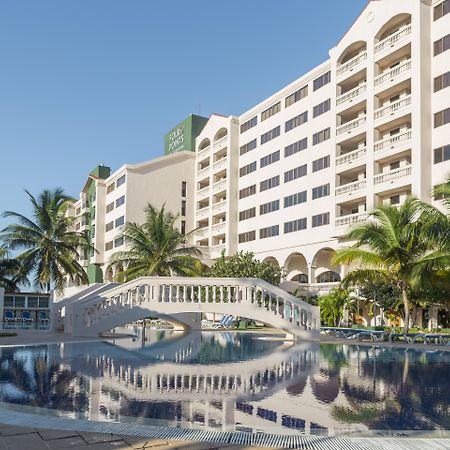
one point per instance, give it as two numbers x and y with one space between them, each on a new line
406 306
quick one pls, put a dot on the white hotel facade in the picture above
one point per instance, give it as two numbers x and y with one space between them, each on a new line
287 178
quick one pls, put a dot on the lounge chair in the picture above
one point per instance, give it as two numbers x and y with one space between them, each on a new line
43 317
225 322
26 317
9 316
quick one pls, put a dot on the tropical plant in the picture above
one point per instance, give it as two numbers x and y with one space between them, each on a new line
332 306
156 247
395 248
10 272
48 241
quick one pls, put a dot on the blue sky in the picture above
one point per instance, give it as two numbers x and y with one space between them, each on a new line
84 82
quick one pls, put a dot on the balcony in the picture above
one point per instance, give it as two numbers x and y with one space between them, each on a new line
352 95
202 212
392 108
220 164
219 228
204 192
351 156
202 173
217 249
392 175
351 126
351 219
393 141
392 75
351 64
393 40
219 185
220 143
204 153
351 187
202 233
219 207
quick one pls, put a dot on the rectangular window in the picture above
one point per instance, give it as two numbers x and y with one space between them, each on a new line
321 219
293 174
247 214
109 226
442 81
269 159
247 237
118 241
43 302
109 207
269 112
8 301
441 45
295 147
442 118
269 184
394 165
183 207
110 188
247 147
321 191
295 225
442 154
296 121
120 181
394 200
267 232
321 81
269 207
247 192
442 9
183 188
119 221
183 227
296 96
109 245
321 163
321 136
32 302
120 201
321 108
249 168
249 124
295 199
272 134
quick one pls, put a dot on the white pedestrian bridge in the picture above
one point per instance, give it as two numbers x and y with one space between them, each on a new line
182 301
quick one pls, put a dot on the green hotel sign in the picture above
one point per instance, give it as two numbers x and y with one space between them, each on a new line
182 137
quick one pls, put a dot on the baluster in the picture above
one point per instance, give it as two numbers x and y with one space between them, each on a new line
221 294
229 293
214 292
199 294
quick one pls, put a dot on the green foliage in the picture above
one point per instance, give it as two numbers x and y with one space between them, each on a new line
383 294
245 265
332 306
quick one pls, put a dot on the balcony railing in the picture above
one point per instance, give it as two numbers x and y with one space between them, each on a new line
218 227
351 63
392 108
393 141
350 126
202 192
220 142
220 206
201 233
203 212
351 219
351 156
351 187
202 172
218 248
392 175
221 163
351 95
204 152
219 185
393 74
392 40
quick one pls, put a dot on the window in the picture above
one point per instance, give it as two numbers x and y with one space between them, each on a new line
442 81
120 181
247 236
442 9
272 134
110 188
321 191
78 211
321 163
295 225
441 45
19 302
329 277
249 168
321 108
321 219
269 159
32 302
295 147
109 207
183 188
321 81
269 112
442 118
249 124
295 199
247 214
442 154
296 121
296 96
293 174
269 184
441 195
264 233
269 207
8 301
120 201
247 147
321 136
109 226
394 200
394 165
183 207
118 241
247 192
109 245
119 221
183 227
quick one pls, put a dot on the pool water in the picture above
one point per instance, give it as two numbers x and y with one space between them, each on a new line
233 382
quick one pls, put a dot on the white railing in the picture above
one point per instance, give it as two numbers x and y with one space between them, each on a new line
219 206
351 95
220 164
202 232
218 227
351 63
392 108
204 152
220 142
351 126
201 192
351 219
203 172
392 175
393 141
351 187
393 74
202 212
392 40
351 156
219 185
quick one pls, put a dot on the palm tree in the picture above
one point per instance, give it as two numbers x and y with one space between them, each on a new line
156 247
394 248
10 272
49 244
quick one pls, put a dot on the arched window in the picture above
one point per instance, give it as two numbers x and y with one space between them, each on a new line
328 277
300 278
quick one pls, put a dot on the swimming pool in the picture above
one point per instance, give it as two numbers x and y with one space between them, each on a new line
233 382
